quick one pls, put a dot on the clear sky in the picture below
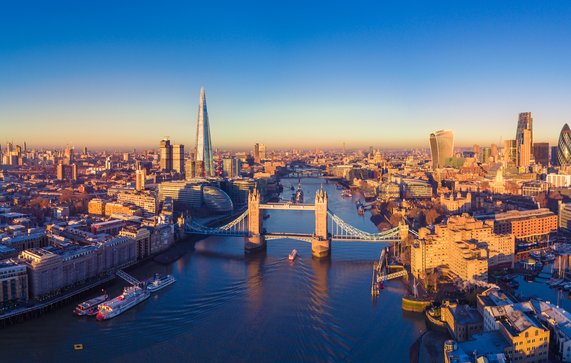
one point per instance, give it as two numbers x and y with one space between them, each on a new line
292 73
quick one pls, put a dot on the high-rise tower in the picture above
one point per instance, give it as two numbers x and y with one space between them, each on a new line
524 139
203 148
564 147
442 147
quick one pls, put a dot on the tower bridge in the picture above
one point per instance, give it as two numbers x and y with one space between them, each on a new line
328 226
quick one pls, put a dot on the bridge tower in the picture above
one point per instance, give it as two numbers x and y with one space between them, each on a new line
321 241
255 239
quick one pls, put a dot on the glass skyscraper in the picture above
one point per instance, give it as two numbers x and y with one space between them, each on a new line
564 147
203 148
442 147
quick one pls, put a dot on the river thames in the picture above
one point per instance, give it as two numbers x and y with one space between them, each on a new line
227 306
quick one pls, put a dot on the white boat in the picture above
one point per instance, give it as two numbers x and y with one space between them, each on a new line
90 307
130 297
160 282
293 255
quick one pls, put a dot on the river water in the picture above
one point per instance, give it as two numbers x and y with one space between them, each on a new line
227 306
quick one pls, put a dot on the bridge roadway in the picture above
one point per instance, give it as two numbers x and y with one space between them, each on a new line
287 206
308 236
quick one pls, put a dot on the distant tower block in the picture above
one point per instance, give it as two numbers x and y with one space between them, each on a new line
321 242
255 240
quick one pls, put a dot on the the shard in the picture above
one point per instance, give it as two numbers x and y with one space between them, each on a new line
203 148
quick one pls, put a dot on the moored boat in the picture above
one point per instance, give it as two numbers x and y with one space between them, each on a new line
130 297
159 282
293 255
90 306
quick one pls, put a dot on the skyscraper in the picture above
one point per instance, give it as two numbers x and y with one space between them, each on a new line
541 153
178 158
442 147
203 148
524 139
510 151
166 155
564 147
259 152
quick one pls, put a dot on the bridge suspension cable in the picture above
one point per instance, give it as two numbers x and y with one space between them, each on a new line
237 226
342 230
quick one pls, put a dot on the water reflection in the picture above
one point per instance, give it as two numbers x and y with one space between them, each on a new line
228 306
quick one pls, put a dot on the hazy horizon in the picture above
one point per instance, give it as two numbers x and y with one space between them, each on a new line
381 74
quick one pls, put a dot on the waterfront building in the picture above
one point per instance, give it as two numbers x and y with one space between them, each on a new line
178 158
442 147
238 189
142 238
469 248
185 195
203 145
564 147
484 347
565 216
528 225
462 321
44 271
558 180
191 195
559 322
541 153
524 139
162 237
13 282
166 155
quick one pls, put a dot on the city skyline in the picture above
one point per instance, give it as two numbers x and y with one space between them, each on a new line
386 77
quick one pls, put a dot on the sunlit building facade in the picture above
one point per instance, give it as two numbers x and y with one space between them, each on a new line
442 147
203 147
564 147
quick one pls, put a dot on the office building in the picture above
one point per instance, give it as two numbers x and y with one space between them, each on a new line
529 225
564 147
140 178
187 196
178 158
558 180
166 155
541 153
231 167
442 147
13 282
510 152
143 199
259 152
524 139
203 145
66 171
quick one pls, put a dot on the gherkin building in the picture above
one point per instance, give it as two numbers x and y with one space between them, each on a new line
564 147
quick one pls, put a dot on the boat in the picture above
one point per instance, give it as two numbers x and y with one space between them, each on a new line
297 197
292 255
346 193
90 306
130 297
159 282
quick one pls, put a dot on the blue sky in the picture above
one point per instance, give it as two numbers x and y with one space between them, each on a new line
299 73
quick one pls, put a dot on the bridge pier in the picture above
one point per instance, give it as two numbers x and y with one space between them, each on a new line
254 243
320 247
